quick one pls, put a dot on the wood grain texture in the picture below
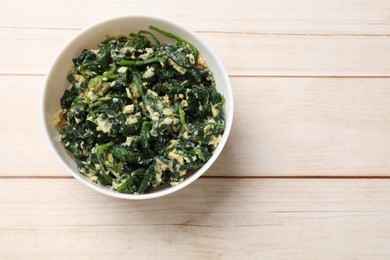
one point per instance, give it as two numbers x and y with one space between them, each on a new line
314 17
291 127
214 219
27 51
304 175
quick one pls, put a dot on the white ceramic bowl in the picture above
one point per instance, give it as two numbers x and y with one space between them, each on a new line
88 38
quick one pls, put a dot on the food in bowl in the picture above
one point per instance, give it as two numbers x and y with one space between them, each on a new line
139 114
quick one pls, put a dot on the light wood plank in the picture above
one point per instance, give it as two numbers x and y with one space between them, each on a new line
312 126
213 218
282 127
24 149
259 16
31 51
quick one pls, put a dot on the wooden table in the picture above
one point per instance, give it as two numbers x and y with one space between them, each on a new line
305 173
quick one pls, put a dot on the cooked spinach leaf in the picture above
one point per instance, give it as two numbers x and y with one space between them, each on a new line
140 113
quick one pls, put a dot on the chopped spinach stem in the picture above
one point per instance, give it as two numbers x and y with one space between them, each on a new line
177 38
156 41
140 113
142 62
183 118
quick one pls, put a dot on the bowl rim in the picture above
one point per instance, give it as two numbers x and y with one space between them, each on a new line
171 189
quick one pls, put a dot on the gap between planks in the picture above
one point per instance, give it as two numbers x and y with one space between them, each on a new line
226 177
228 32
240 76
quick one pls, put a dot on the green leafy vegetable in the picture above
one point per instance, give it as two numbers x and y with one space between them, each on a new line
142 62
180 41
139 114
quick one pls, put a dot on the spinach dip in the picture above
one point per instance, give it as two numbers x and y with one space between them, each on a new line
139 114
